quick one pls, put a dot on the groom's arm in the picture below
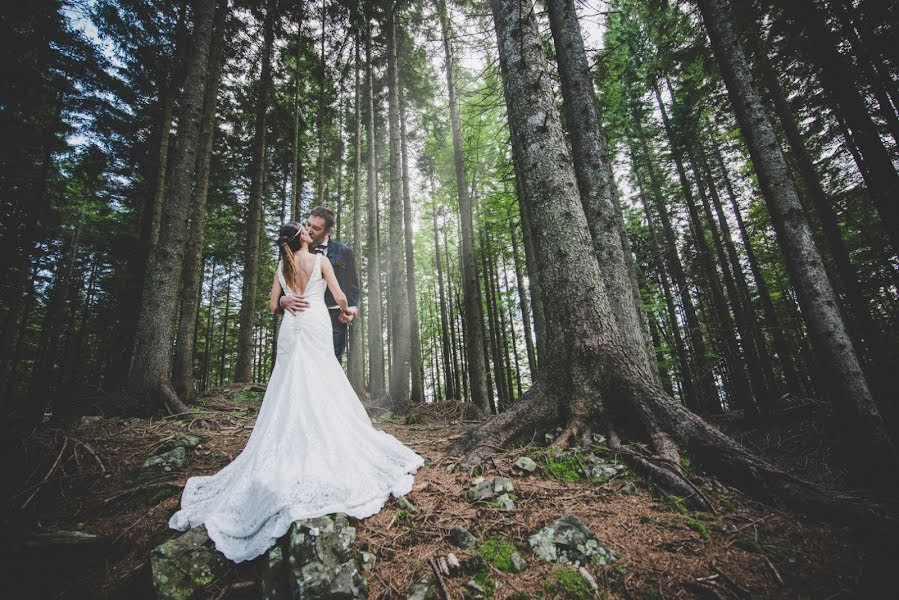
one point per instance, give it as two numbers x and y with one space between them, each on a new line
351 289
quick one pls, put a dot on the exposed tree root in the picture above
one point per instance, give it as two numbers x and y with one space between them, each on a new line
670 425
576 432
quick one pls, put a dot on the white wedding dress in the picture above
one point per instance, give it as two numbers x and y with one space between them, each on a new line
312 452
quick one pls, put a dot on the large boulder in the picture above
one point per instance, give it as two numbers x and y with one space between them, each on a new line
321 564
185 564
569 541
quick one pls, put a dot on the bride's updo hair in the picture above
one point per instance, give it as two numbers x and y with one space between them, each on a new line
289 241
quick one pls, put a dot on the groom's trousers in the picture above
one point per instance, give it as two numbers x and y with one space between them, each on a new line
340 332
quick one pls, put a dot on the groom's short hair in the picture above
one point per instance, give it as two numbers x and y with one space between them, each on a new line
325 213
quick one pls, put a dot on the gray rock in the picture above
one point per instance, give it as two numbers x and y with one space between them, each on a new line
184 440
368 561
490 488
419 590
525 464
404 504
589 579
599 439
475 590
384 417
519 564
275 585
474 564
628 489
88 419
505 502
168 461
452 562
462 538
569 541
320 561
186 564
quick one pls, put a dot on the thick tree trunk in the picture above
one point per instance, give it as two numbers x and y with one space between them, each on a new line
376 387
193 260
355 370
594 175
150 369
873 454
474 323
243 371
398 306
590 363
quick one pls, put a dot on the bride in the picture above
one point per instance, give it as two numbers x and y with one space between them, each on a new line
313 450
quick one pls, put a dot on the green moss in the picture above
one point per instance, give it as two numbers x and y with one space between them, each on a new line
727 505
569 584
519 596
162 493
676 504
704 516
686 464
482 578
697 527
499 552
567 467
644 520
748 544
431 594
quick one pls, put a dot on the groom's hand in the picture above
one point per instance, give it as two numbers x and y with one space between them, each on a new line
295 304
346 317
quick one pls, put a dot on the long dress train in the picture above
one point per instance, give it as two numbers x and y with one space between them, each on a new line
313 450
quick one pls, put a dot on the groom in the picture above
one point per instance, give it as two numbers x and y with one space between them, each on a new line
320 223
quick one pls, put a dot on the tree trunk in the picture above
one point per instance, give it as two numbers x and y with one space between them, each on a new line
594 176
448 365
590 363
193 261
150 369
400 331
525 306
255 205
474 328
296 152
355 371
872 452
376 387
417 394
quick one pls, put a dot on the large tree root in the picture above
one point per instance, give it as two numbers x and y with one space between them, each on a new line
669 426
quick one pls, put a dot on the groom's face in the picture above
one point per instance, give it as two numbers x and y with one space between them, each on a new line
317 229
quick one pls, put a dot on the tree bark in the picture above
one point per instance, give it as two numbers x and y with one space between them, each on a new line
355 371
525 305
376 387
398 307
872 451
594 176
296 180
193 260
244 365
150 369
448 365
474 328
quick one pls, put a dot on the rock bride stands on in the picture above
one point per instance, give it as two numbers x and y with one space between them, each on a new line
313 450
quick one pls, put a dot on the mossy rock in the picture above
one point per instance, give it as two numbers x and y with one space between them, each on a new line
185 565
698 528
184 440
498 552
569 584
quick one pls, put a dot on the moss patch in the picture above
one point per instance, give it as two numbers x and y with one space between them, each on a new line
568 583
697 527
566 467
499 552
747 543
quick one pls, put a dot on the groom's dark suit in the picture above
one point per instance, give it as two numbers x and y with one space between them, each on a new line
344 263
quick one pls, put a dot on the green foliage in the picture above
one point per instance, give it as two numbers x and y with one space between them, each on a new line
698 527
569 584
567 467
498 552
747 543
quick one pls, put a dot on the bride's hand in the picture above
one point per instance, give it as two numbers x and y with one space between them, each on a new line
347 315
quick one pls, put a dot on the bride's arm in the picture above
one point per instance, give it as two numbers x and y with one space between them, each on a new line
275 296
331 280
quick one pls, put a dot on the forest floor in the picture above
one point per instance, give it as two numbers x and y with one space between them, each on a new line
87 477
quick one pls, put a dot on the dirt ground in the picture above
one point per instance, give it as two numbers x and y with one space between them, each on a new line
86 477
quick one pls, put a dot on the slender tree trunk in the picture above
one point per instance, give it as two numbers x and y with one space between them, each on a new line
354 355
417 395
451 391
224 349
400 334
210 322
525 305
255 204
150 369
493 326
193 260
474 329
296 152
376 387
530 263
322 107
873 453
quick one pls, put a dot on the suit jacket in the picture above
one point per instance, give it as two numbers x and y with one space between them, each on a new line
344 263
